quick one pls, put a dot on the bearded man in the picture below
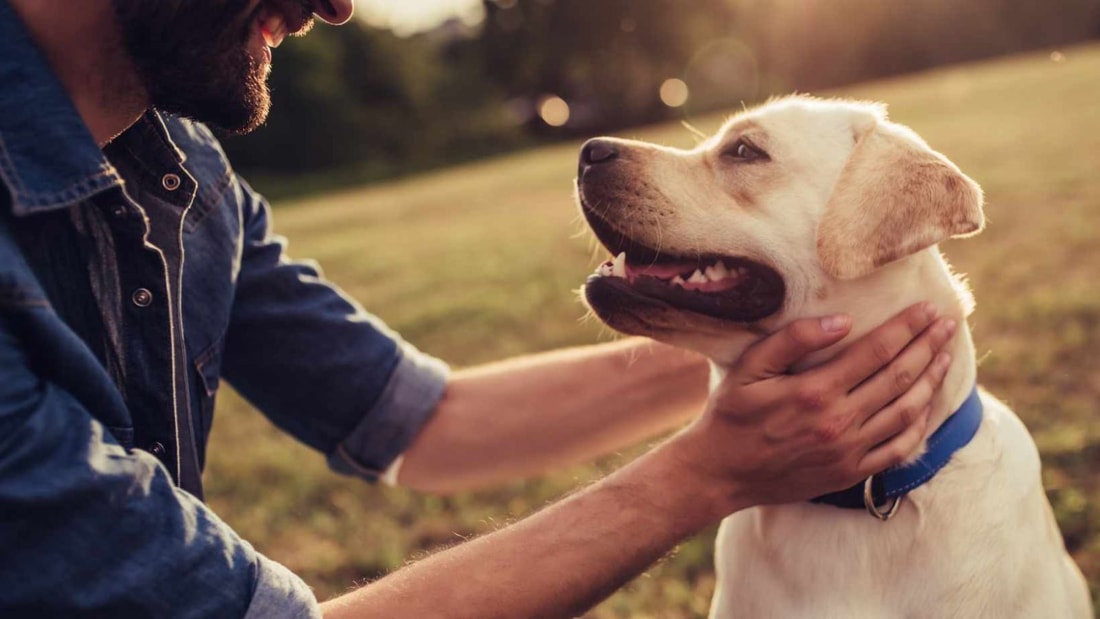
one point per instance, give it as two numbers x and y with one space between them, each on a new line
137 270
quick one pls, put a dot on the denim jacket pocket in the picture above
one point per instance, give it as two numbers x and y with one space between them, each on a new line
208 367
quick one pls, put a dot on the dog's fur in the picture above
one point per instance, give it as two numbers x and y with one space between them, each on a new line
848 208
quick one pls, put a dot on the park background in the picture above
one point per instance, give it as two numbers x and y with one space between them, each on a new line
424 155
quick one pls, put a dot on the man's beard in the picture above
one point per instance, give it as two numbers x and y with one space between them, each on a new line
193 60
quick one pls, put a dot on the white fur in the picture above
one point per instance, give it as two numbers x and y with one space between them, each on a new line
977 541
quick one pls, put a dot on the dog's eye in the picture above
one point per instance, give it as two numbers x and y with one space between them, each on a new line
743 151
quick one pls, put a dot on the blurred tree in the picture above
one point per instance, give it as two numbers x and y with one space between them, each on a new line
364 104
358 103
328 89
607 59
814 44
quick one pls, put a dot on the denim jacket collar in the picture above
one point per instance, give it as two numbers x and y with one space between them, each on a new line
48 158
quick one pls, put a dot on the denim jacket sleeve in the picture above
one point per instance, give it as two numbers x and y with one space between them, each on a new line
88 529
318 365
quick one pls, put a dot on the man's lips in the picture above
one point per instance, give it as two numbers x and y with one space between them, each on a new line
277 19
273 29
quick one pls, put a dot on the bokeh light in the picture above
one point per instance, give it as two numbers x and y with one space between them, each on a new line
554 111
674 92
409 17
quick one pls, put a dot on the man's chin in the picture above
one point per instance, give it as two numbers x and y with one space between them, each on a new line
250 108
226 119
248 120
236 113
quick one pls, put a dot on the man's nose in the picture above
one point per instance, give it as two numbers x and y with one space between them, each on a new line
335 12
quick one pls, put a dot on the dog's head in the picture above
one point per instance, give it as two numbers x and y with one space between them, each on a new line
754 227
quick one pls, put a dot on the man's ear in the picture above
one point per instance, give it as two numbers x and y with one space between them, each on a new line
895 197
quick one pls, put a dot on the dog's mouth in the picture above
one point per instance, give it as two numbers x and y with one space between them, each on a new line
726 287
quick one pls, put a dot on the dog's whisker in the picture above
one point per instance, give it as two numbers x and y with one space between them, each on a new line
597 249
699 135
660 238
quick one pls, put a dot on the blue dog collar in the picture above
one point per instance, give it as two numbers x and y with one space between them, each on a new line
894 483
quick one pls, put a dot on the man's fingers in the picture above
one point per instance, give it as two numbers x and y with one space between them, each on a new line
895 450
779 351
907 409
903 372
876 349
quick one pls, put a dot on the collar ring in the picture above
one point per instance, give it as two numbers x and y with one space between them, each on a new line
874 510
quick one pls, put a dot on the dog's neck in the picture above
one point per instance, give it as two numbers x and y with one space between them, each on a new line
925 276
872 300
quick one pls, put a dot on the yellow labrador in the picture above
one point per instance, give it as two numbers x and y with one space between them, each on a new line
807 207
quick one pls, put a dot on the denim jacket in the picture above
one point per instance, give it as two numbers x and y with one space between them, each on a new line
132 279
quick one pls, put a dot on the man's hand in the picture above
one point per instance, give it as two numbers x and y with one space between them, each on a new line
780 437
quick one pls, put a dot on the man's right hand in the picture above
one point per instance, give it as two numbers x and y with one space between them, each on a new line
769 436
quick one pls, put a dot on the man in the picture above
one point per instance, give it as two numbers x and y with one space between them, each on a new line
136 270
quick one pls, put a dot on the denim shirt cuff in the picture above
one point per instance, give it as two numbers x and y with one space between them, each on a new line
280 594
408 401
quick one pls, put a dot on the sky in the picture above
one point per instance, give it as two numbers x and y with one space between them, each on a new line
409 16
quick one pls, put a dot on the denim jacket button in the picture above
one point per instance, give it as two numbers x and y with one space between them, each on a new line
118 211
142 297
171 182
157 449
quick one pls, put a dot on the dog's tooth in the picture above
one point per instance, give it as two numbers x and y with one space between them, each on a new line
618 267
717 272
679 281
697 277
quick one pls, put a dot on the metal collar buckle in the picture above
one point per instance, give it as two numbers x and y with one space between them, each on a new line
869 502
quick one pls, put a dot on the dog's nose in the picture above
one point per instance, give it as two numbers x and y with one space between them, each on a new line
598 150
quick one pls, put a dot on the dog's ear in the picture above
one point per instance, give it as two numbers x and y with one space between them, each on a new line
895 197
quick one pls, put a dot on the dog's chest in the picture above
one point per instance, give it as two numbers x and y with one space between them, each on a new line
953 546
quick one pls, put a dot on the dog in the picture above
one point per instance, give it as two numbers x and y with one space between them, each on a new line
808 207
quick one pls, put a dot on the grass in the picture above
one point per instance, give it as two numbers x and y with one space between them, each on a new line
480 262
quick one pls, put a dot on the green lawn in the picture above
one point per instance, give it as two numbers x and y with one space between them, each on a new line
480 262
